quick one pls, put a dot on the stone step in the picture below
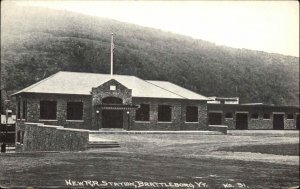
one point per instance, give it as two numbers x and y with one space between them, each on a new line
103 144
94 133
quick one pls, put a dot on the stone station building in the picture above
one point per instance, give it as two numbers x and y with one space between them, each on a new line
72 104
100 101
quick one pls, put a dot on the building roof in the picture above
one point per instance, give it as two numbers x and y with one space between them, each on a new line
178 90
224 98
80 83
254 106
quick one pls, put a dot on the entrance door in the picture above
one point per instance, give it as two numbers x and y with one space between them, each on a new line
112 118
297 121
278 123
241 121
214 118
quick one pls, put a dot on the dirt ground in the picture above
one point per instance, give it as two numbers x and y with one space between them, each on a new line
237 160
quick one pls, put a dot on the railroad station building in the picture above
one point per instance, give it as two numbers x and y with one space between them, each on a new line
100 101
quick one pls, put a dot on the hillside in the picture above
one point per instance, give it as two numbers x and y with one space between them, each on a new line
37 42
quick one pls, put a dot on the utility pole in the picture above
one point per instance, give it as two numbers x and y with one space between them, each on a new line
112 55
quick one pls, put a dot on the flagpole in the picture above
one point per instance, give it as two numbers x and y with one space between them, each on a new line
112 54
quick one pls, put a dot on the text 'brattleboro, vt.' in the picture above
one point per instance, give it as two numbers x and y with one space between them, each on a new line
143 184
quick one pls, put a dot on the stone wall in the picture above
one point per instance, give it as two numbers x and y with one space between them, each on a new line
220 128
260 123
39 137
103 91
92 111
230 122
33 110
289 123
255 123
178 115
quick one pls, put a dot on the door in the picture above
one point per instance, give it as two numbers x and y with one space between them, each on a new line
278 122
241 121
112 118
214 118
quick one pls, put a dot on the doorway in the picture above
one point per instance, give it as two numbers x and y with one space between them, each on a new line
278 121
214 118
112 118
241 121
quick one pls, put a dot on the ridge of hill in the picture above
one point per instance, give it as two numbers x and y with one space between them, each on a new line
38 42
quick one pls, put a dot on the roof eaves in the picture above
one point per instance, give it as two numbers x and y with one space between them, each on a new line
34 85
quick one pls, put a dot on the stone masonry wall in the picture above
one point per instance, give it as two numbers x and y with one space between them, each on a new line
289 123
33 110
177 122
103 91
260 122
39 137
177 118
230 122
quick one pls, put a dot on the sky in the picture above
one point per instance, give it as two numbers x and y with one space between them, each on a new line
271 26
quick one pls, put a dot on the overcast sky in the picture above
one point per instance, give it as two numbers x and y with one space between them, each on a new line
271 26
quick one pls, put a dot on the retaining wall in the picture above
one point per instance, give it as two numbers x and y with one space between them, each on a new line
220 128
39 137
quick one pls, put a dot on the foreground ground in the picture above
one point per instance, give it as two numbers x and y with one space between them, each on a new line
238 160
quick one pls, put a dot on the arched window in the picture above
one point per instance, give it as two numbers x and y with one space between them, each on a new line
112 100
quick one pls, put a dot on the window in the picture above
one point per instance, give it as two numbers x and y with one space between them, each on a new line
215 118
254 116
24 112
228 115
74 110
48 109
9 113
290 116
112 87
112 100
266 116
19 110
143 113
191 114
164 113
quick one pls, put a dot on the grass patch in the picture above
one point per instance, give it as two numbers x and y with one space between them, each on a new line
122 167
160 158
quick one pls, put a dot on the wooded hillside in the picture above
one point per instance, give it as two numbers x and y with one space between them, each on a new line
38 42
